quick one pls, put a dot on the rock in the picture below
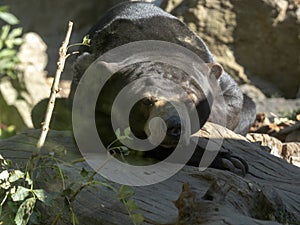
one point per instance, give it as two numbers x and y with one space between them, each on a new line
216 32
260 38
253 92
17 97
268 46
291 152
266 87
278 106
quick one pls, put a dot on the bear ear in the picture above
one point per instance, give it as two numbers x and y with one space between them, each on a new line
215 69
193 97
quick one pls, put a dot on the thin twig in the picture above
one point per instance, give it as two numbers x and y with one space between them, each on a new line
90 179
54 88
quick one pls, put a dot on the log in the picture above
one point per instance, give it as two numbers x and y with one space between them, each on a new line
268 194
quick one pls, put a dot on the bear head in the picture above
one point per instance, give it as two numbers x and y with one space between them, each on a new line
170 104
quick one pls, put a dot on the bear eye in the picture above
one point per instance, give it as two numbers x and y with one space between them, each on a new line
149 101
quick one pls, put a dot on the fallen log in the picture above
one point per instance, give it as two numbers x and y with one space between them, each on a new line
268 194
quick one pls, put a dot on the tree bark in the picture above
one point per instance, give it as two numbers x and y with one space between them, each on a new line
268 194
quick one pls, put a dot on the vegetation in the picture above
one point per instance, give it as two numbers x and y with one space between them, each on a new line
19 197
10 40
22 201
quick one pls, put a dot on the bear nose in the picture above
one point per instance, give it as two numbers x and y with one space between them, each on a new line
173 126
174 131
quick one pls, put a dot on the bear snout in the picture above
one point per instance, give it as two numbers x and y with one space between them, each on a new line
173 127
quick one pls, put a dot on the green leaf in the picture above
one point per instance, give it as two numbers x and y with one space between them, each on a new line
5 185
131 205
137 218
4 175
118 133
24 212
9 43
6 65
2 159
9 18
125 192
18 41
122 138
11 74
16 175
3 8
5 53
20 194
41 194
123 148
86 40
127 131
15 33
84 173
4 32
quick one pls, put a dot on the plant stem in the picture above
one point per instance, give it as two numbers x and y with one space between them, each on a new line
77 44
54 88
90 179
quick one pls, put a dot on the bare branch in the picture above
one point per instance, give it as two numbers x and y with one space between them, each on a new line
54 88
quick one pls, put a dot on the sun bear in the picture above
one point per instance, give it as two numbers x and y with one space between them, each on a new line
139 21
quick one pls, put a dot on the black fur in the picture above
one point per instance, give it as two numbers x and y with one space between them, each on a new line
135 21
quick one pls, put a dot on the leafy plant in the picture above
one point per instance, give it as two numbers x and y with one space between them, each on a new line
125 194
115 147
85 42
10 40
18 196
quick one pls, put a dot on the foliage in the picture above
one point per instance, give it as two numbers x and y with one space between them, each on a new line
18 196
125 194
120 149
7 131
10 40
85 42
